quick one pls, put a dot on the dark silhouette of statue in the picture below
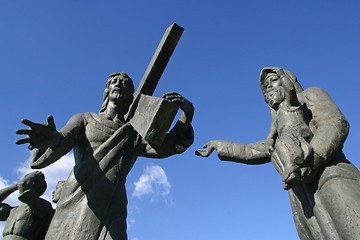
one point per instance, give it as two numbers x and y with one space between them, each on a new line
324 187
31 219
93 200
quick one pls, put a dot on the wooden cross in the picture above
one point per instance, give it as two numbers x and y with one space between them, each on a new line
159 61
151 116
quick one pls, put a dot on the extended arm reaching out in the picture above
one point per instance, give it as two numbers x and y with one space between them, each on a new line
256 153
49 145
40 135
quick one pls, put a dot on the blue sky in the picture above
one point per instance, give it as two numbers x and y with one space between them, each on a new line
55 57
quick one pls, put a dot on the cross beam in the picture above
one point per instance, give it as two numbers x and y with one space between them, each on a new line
159 61
157 65
151 117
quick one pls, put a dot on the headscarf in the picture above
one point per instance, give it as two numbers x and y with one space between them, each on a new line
266 70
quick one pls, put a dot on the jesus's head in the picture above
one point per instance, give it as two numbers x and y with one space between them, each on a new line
119 89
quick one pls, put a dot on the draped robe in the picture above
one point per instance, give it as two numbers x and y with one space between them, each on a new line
93 200
329 206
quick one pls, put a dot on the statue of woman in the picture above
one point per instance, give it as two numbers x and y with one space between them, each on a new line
326 202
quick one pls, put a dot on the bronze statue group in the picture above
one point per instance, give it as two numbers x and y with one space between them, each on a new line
304 144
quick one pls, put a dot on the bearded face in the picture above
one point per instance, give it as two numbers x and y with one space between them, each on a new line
120 90
119 87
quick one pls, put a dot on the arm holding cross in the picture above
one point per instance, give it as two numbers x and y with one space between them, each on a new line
185 105
179 138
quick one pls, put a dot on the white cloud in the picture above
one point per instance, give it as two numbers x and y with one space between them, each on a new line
153 181
3 183
130 222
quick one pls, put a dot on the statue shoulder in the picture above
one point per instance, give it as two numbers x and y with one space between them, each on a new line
323 108
82 118
314 94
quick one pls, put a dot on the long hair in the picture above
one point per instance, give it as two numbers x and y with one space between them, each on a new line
106 91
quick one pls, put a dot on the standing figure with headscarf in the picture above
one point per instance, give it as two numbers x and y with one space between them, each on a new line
325 204
92 203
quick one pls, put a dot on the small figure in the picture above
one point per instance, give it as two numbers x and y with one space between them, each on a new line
31 219
56 193
289 131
